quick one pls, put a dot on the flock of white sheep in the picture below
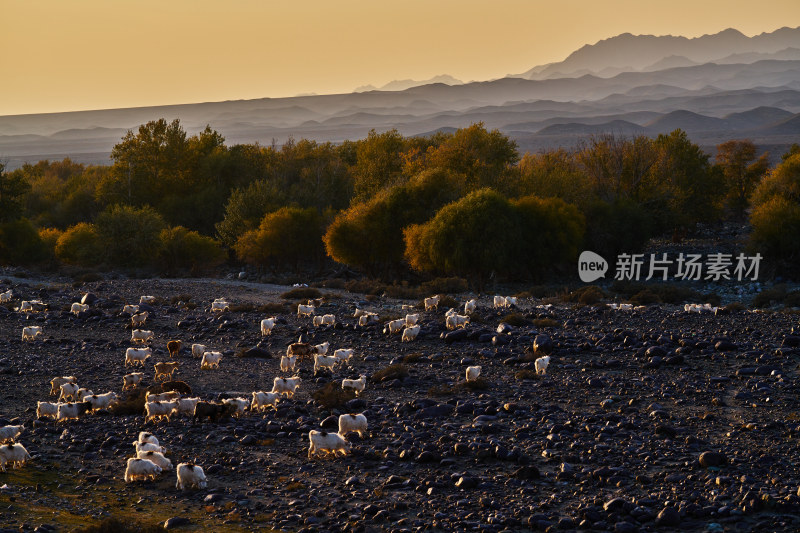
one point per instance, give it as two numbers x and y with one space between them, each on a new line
149 461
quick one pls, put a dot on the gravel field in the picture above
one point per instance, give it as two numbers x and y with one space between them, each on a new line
647 420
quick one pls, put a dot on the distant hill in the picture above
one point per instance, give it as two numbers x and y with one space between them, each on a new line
402 85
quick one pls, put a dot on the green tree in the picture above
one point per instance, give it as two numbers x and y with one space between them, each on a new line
130 235
742 171
80 245
20 243
13 187
379 163
246 207
183 249
288 235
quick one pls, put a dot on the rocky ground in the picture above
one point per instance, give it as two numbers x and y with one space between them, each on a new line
650 420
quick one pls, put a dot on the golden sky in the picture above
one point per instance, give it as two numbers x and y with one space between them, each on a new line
61 55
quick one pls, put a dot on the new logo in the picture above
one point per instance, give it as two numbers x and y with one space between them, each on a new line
591 266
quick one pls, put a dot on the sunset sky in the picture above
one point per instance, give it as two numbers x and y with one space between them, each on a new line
61 55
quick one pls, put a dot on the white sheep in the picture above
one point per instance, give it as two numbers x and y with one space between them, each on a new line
157 458
102 401
499 301
321 349
32 306
186 405
316 321
190 476
409 334
147 447
131 380
150 300
130 309
14 455
83 393
357 384
343 355
220 305
407 307
351 422
71 410
473 372
46 409
139 319
457 321
325 443
137 355
210 360
262 400
366 318
266 326
30 333
198 350
9 433
511 300
286 386
240 403
288 363
76 308
432 302
55 383
329 320
470 306
450 312
6 297
146 436
541 364
323 361
158 410
305 310
396 326
69 391
169 396
411 320
141 335
141 469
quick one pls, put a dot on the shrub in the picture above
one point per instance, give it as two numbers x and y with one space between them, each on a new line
445 285
545 323
130 404
768 297
272 308
288 236
20 243
645 297
516 320
365 286
526 374
776 232
129 235
399 371
332 395
49 238
79 245
588 295
301 293
183 249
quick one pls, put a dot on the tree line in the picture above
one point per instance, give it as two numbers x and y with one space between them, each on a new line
463 203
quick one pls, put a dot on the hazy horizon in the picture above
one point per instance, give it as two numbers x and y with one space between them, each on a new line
88 54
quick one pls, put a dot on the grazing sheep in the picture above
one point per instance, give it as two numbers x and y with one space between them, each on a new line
411 320
357 384
343 355
473 372
511 301
432 302
9 433
212 410
366 318
55 383
210 360
71 411
321 349
83 393
147 447
130 309
499 301
78 308
31 332
101 401
359 313
32 306
14 455
541 364
266 326
176 386
299 349
450 312
149 300
168 396
325 443
190 476
351 422
286 386
174 348
158 410
141 469
141 335
288 363
240 403
470 306
323 361
68 391
157 458
165 370
220 305
396 326
262 400
305 310
137 355
49 409
186 406
129 381
139 319
457 321
409 334
316 321
329 320
6 297
198 350
146 436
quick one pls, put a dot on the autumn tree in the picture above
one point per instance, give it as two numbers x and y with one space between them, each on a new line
13 187
742 170
286 236
379 163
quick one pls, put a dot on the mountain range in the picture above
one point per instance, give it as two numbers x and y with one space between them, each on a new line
716 87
